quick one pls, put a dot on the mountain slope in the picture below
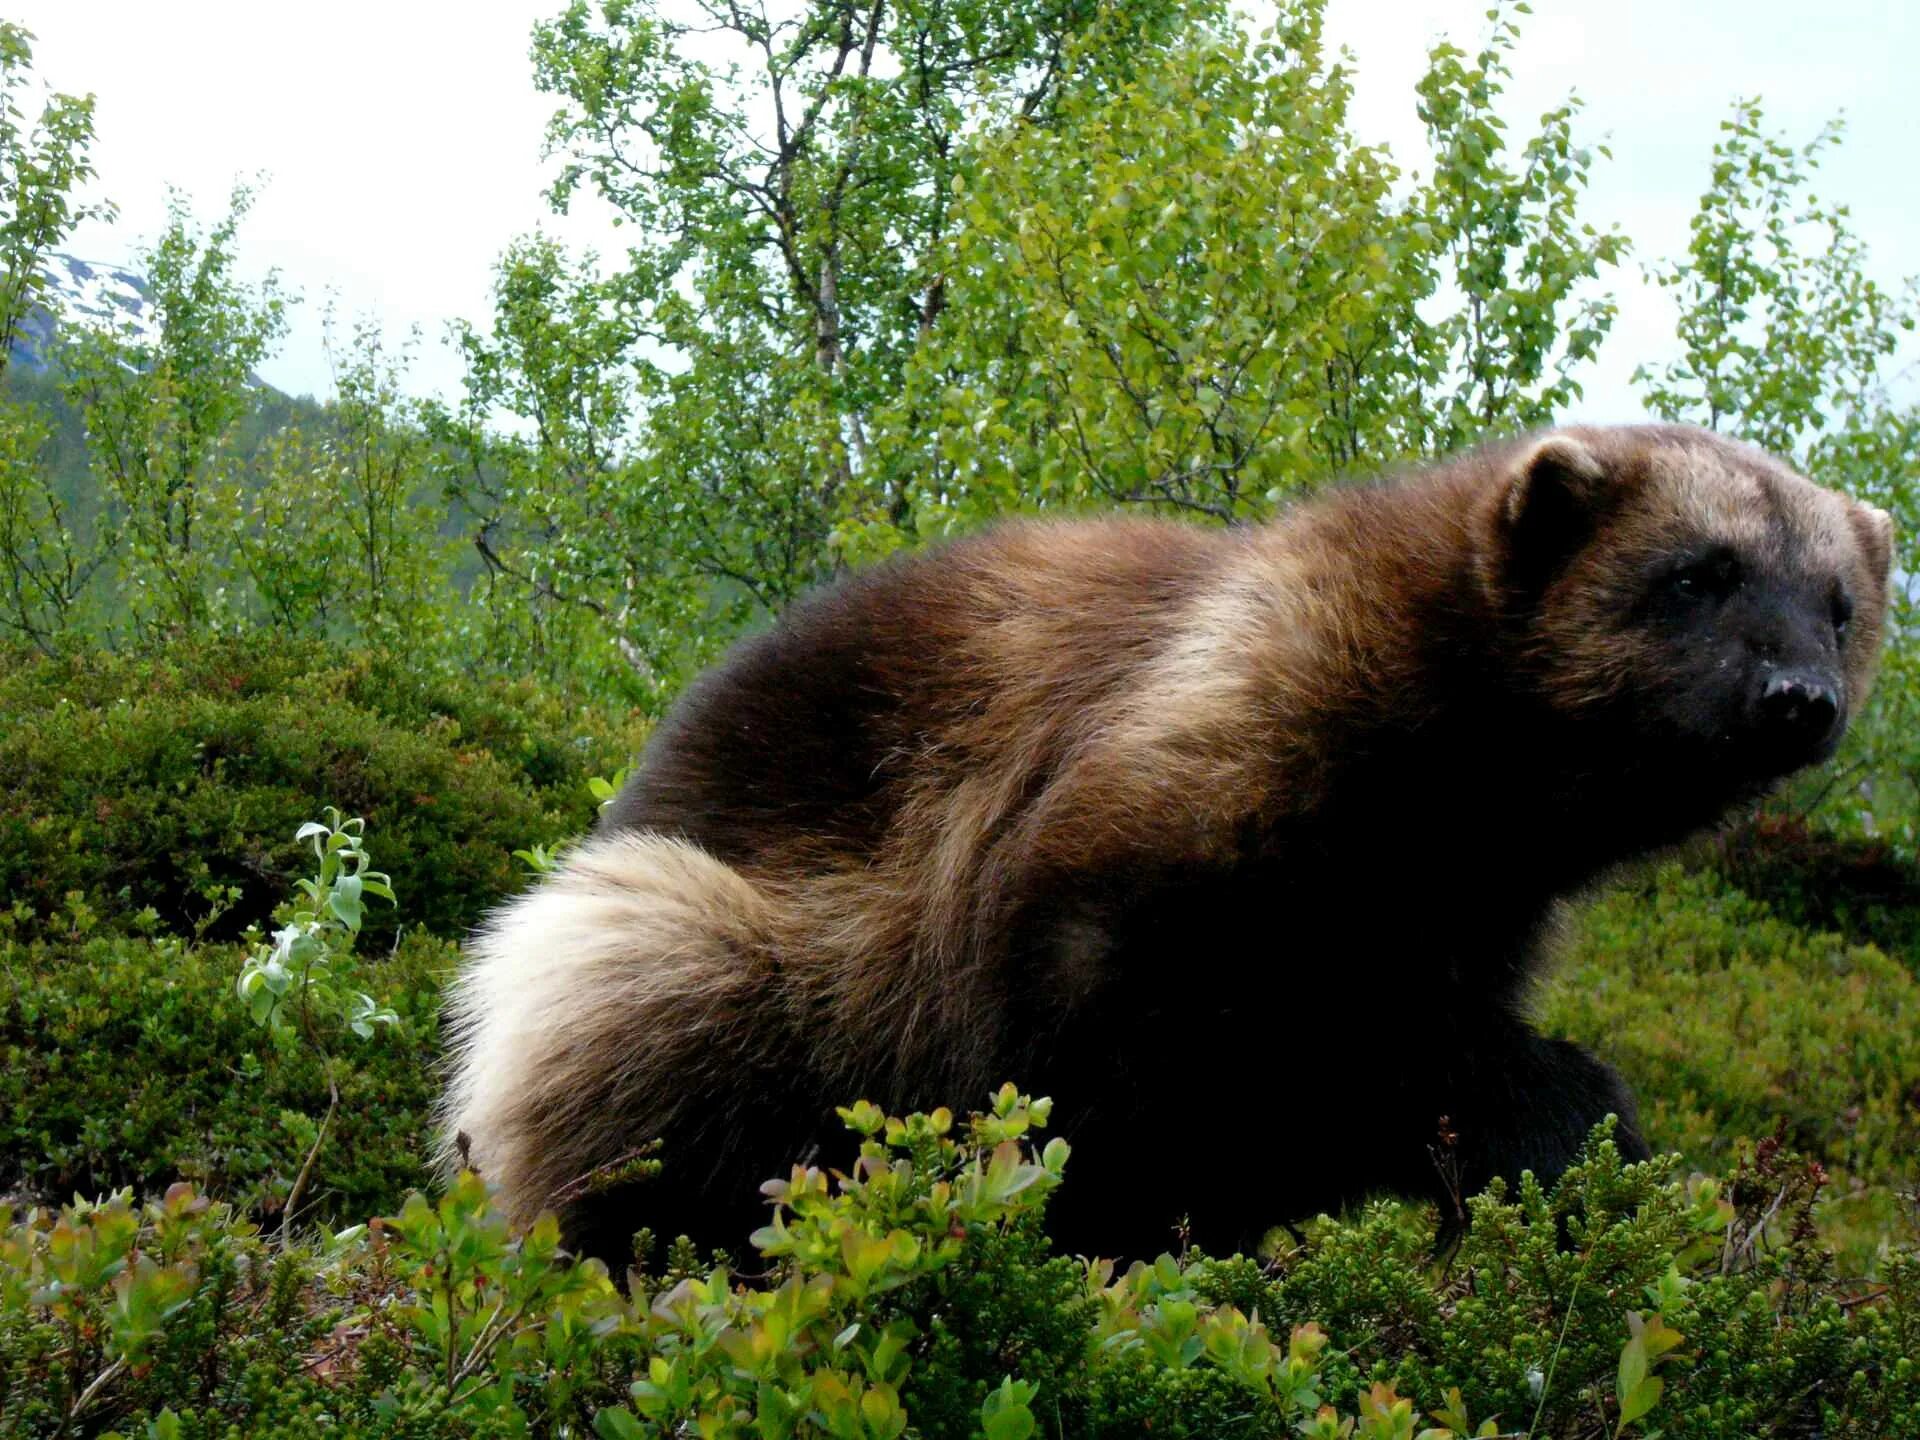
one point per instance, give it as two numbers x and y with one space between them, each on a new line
86 294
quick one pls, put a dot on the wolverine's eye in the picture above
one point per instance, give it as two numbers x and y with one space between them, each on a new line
1712 578
1842 610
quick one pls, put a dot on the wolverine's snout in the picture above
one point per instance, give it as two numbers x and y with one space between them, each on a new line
1797 714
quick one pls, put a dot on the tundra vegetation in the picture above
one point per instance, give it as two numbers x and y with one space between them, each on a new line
885 271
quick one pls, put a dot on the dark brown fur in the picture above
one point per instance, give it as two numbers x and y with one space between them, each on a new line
1240 844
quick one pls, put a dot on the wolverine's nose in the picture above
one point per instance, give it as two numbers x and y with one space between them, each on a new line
1799 708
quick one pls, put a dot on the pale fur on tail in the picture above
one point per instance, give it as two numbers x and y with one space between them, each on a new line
589 1008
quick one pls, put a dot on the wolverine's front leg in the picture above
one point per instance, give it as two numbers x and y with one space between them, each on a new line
1518 1101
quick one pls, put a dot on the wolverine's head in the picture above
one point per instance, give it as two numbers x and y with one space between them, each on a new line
1710 615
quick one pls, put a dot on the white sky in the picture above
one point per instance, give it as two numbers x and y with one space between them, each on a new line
401 140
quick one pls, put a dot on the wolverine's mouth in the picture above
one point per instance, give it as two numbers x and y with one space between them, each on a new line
1764 758
1713 772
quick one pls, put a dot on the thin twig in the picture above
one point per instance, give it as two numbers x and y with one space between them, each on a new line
1553 1361
98 1384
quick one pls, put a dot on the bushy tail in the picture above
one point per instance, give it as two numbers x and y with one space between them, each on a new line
592 1008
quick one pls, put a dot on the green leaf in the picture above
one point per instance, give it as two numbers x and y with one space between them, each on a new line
1639 1400
618 1424
345 901
1633 1369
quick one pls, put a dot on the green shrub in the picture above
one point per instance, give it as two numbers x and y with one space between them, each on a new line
176 780
1866 889
915 1296
1731 1023
131 1062
1531 1325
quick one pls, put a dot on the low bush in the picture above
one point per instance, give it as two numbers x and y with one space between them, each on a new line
131 1062
1867 889
916 1296
1733 1024
173 781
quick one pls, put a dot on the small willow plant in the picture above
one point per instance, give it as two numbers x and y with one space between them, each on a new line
298 983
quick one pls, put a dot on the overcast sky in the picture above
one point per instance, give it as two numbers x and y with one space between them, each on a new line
401 140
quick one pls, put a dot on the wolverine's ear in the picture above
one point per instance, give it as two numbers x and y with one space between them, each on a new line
1548 509
1874 527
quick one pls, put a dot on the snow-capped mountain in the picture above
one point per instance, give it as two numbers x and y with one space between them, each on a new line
80 292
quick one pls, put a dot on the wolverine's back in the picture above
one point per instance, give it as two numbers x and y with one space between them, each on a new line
809 735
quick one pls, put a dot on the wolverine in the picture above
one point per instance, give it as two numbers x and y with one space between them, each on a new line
1245 845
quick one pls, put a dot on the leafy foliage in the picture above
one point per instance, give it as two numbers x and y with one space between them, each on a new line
190 1091
907 268
299 973
299 985
162 418
42 162
1195 290
347 494
170 781
1123 309
1781 326
773 288
1732 1024
987 260
890 1306
1817 878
